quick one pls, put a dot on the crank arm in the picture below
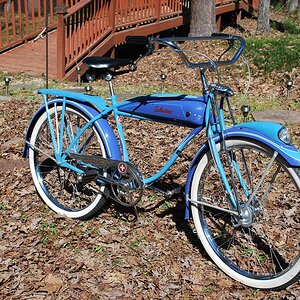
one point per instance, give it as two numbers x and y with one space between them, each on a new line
167 193
107 180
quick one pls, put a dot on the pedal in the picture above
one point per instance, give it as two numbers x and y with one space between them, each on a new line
168 193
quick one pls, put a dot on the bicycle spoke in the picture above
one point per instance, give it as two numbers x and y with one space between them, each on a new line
56 122
263 177
86 143
69 128
269 186
60 185
265 245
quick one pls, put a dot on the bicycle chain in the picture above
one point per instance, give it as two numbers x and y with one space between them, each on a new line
122 182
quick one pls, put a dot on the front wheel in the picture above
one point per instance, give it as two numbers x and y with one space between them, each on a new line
60 187
262 251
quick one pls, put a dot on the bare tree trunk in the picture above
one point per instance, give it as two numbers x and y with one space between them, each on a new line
203 17
293 6
263 22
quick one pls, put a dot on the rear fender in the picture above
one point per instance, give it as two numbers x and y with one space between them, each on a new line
96 101
263 132
102 126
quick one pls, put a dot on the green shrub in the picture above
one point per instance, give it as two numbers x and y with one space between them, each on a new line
290 26
274 54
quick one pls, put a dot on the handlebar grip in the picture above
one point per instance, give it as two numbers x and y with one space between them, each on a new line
221 35
226 36
142 40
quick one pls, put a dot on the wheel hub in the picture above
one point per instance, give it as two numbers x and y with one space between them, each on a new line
246 216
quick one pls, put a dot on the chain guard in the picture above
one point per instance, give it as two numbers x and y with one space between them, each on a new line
123 177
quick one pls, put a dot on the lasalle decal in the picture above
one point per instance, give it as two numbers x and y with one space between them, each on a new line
163 110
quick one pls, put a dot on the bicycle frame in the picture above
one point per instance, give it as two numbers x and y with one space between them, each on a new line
213 123
115 107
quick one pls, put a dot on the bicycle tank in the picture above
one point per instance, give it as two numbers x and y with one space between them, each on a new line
184 110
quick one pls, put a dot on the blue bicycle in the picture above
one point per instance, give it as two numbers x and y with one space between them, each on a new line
243 185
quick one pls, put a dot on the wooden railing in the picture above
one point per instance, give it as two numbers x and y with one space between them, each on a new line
88 22
83 26
22 20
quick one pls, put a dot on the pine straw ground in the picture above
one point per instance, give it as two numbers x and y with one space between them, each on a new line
114 256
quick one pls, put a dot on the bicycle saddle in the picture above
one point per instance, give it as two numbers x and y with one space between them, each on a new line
98 62
221 89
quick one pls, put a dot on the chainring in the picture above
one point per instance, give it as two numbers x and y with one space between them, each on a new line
124 179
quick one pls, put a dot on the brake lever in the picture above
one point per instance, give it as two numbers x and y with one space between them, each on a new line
230 45
149 52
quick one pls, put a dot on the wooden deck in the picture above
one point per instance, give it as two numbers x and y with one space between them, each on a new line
30 58
86 27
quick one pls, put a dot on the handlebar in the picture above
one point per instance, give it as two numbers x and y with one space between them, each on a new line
137 39
171 42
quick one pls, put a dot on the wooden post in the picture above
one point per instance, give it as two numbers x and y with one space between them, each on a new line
219 22
60 11
112 15
158 9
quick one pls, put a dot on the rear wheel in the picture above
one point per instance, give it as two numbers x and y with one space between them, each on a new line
261 250
61 188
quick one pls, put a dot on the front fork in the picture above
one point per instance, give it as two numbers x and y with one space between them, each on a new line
215 125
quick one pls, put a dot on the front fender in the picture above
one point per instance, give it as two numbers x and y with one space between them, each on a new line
263 132
102 126
266 133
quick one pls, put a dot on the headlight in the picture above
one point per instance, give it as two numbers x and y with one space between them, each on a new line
284 136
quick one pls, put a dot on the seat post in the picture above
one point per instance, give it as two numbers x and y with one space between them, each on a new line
109 77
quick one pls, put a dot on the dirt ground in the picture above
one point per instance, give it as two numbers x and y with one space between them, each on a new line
112 256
